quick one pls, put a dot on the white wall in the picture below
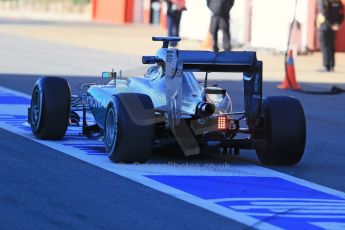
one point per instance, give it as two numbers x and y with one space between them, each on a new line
196 20
238 20
138 11
271 20
302 17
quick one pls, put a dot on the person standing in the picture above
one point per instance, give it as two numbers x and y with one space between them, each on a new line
174 13
220 20
330 16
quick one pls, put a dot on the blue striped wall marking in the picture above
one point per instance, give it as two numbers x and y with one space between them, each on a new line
12 98
275 200
73 136
242 192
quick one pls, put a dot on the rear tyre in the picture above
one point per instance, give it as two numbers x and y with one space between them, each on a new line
129 129
50 108
284 128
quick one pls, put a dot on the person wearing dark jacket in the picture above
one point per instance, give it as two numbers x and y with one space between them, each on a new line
328 22
220 20
175 9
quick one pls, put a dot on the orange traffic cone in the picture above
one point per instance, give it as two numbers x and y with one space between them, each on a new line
290 76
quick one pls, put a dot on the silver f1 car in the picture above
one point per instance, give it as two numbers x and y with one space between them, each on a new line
168 106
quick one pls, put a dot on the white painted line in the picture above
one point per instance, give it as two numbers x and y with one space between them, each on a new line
297 216
276 199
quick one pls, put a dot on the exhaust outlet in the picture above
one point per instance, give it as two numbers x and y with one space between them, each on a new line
204 109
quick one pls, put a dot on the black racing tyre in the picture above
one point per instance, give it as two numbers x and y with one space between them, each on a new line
129 128
284 128
50 108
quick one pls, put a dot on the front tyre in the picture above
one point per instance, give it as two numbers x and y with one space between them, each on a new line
50 108
284 128
129 129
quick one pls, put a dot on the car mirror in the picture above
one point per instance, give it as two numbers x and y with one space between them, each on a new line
108 74
215 90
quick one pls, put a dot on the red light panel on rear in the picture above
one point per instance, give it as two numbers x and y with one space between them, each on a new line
222 122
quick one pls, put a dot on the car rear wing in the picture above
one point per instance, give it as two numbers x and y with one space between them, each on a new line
176 62
206 61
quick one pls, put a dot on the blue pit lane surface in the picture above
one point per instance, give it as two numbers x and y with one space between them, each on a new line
255 196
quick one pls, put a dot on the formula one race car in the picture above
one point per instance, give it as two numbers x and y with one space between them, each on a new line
169 106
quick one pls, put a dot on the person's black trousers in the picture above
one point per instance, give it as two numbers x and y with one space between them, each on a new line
173 19
222 23
327 40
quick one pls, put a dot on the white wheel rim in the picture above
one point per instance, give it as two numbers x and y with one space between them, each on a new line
36 108
111 127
